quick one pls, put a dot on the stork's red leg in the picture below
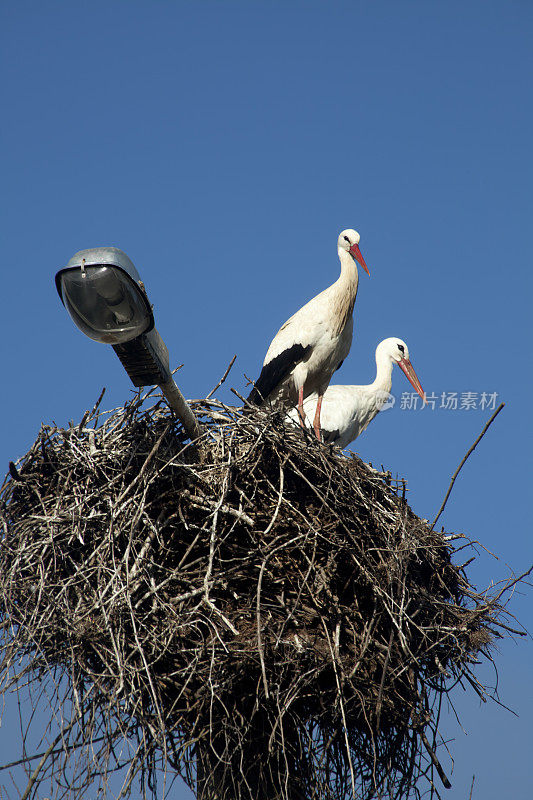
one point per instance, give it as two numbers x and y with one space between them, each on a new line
301 412
316 423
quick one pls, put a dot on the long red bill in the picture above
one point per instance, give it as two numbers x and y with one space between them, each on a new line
356 253
407 368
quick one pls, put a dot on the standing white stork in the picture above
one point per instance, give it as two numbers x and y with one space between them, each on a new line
348 410
314 342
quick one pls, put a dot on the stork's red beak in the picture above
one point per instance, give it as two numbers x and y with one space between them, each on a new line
407 369
356 253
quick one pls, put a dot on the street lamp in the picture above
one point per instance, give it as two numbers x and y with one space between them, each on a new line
103 293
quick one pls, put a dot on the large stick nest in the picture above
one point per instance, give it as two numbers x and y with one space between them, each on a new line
270 620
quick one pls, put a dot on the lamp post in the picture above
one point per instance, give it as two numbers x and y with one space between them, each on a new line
105 296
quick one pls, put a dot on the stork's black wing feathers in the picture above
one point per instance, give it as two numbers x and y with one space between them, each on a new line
275 371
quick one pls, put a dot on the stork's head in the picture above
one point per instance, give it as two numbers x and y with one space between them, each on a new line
349 240
394 348
397 351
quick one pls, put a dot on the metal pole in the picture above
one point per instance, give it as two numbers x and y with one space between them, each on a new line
178 404
145 359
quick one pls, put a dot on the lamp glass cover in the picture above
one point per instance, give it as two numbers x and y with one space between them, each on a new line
105 303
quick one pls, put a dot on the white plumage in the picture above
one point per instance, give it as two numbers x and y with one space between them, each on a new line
313 343
348 410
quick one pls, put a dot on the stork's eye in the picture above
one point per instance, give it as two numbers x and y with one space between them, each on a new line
346 239
401 348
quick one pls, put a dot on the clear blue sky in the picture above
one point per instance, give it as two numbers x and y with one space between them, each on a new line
224 145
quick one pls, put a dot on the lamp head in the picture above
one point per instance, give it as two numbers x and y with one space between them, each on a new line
103 293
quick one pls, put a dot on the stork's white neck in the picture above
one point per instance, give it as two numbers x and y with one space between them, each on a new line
384 365
349 275
346 259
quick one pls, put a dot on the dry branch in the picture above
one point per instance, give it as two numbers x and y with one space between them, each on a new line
463 461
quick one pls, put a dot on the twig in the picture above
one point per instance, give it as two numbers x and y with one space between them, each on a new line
385 665
223 378
258 623
435 761
42 762
69 749
341 703
457 471
243 399
94 411
280 498
13 471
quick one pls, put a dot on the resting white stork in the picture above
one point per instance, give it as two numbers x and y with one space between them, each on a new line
314 342
348 410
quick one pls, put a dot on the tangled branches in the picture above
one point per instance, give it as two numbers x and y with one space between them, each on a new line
271 621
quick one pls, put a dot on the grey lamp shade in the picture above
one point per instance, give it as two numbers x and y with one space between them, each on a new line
104 299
